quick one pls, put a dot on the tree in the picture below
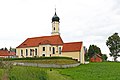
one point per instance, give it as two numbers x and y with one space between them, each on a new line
113 44
86 54
93 49
104 57
2 49
5 49
12 49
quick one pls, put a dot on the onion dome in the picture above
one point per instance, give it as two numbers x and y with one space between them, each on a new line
55 18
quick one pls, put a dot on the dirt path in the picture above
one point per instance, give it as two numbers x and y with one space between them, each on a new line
5 76
55 75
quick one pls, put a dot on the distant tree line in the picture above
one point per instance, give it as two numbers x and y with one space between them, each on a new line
10 49
4 48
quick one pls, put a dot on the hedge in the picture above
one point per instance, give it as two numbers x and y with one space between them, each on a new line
34 58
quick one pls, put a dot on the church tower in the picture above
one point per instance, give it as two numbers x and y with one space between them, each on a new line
55 24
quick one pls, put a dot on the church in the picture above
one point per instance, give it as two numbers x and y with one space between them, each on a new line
52 45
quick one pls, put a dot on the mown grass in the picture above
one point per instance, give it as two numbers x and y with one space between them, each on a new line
92 71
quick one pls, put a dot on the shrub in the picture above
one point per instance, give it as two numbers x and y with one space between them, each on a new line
35 58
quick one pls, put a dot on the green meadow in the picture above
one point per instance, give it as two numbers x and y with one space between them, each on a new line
91 71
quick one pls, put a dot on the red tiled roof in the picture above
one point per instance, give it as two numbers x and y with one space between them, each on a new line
36 41
97 55
6 53
96 58
73 46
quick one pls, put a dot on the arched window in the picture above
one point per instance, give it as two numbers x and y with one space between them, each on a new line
53 50
31 52
43 55
35 52
43 48
21 52
54 28
59 50
26 52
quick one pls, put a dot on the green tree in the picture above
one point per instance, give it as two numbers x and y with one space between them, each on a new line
86 54
12 49
93 49
104 57
113 44
5 48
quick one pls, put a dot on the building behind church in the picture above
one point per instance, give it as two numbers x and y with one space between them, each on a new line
52 45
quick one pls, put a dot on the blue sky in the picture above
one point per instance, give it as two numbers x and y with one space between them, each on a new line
90 21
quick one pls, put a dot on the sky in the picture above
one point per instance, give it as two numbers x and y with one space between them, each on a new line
90 21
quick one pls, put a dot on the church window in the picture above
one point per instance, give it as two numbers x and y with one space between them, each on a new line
35 51
43 54
50 48
54 28
26 52
31 52
59 50
21 52
53 50
43 48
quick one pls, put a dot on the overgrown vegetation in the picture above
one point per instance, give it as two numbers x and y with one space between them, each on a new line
5 66
27 73
1 73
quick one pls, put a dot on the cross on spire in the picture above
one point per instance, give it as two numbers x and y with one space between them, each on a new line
55 9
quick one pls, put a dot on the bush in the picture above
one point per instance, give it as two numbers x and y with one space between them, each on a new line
104 57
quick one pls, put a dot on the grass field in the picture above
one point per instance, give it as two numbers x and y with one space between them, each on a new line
1 73
92 71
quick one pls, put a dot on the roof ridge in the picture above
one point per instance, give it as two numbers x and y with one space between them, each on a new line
43 36
73 42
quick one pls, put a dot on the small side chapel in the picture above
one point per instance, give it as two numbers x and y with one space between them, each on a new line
51 45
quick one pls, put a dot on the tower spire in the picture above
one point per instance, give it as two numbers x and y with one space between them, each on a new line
55 24
55 9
